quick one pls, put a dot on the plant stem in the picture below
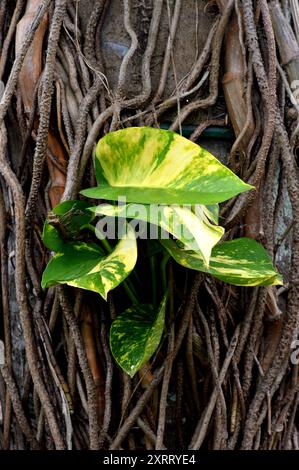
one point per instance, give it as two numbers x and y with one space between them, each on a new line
170 291
106 245
163 271
153 279
130 292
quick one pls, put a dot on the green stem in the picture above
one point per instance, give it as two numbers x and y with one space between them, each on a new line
90 227
164 270
170 290
106 245
153 279
130 292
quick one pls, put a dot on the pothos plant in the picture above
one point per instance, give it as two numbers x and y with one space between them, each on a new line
172 185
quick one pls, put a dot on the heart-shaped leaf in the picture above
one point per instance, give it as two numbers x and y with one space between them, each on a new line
73 261
84 265
241 262
194 230
135 335
65 221
155 166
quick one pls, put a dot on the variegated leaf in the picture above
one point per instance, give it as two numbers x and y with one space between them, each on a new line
135 335
241 262
83 265
155 166
74 260
194 230
212 212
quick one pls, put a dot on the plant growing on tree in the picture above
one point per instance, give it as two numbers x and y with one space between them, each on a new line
175 186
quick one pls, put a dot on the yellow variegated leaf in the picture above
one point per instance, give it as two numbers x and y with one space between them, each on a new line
135 335
84 266
155 166
192 229
241 262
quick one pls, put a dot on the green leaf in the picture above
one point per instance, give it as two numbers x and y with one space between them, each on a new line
194 230
135 336
51 237
83 265
241 262
155 166
66 220
75 260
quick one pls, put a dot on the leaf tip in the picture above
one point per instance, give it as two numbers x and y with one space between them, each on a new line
279 280
130 374
104 295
